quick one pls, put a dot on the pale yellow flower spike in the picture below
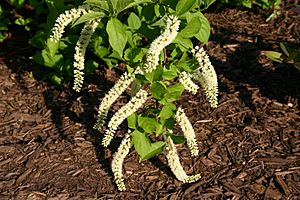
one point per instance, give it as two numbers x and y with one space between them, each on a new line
80 49
159 44
66 18
132 106
188 131
111 97
118 160
206 75
174 164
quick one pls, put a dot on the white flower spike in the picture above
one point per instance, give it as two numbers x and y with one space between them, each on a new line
160 43
174 164
66 18
188 131
80 49
111 97
118 160
132 106
206 75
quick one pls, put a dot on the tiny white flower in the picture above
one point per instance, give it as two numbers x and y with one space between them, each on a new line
80 49
186 81
188 131
118 160
206 75
132 106
175 165
111 97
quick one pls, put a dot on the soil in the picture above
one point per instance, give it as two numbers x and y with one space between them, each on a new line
250 144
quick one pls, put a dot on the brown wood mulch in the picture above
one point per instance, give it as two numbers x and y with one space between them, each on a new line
250 144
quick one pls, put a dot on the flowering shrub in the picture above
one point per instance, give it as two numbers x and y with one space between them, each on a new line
167 70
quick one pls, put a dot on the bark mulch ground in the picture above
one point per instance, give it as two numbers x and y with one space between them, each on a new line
250 144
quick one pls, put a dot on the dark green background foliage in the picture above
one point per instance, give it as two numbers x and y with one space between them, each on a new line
123 35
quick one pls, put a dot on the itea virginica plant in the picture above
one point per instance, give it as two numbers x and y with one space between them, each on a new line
155 79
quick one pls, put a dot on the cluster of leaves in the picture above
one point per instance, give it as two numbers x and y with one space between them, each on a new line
37 17
59 65
11 18
265 4
126 26
288 55
157 120
268 4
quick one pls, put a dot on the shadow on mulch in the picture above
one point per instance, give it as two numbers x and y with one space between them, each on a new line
242 67
60 102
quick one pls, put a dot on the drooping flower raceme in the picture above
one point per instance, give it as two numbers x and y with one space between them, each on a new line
206 75
118 160
111 97
160 43
186 81
66 18
80 49
175 165
132 106
188 131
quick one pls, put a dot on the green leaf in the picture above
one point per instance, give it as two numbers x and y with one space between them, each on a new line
134 21
204 33
177 139
122 5
147 123
273 55
176 52
55 79
157 90
247 3
134 54
90 67
102 4
185 43
47 60
131 120
133 3
51 47
87 17
159 10
169 74
183 6
159 130
156 74
116 35
144 147
283 48
192 28
3 27
2 37
148 13
167 111
206 3
135 87
169 123
174 92
115 55
187 65
101 51
17 3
